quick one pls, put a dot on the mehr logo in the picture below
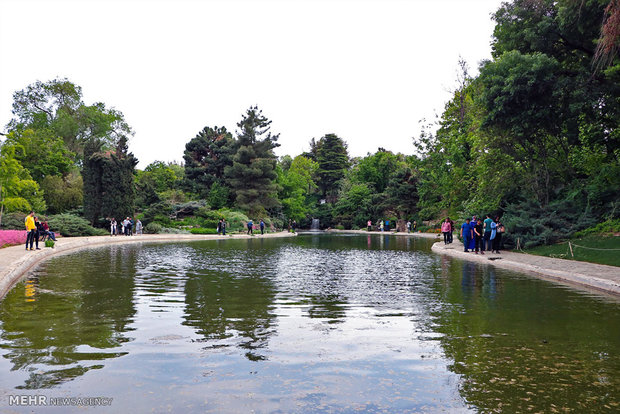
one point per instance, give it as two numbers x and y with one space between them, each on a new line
40 400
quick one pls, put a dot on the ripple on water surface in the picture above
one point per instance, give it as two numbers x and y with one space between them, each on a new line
312 324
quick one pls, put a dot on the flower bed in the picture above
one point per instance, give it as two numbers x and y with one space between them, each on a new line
12 237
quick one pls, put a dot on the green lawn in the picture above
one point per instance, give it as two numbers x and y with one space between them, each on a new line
561 250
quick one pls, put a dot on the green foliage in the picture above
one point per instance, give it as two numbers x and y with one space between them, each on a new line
153 228
602 249
108 182
62 194
296 181
203 231
252 174
13 221
206 156
333 161
73 226
609 226
219 195
18 192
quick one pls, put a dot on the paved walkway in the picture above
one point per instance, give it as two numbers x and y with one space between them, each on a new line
16 261
591 275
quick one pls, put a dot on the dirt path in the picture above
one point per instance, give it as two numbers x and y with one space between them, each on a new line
591 275
15 261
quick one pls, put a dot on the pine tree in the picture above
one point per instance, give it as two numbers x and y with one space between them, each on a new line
333 161
252 175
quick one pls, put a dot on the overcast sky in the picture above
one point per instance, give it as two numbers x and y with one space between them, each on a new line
366 70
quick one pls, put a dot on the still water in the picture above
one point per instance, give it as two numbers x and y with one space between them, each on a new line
316 323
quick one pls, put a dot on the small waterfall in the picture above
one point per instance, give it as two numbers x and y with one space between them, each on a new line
315 225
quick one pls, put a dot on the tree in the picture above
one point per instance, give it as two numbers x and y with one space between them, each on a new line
108 181
252 174
333 161
18 192
57 105
295 178
206 156
63 194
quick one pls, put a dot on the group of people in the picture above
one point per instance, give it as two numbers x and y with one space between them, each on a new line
481 236
221 227
36 229
261 225
125 227
384 225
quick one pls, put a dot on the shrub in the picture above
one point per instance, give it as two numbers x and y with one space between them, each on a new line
13 221
153 228
339 227
609 226
73 226
171 230
203 231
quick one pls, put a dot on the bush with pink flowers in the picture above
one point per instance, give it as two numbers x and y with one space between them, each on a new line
12 237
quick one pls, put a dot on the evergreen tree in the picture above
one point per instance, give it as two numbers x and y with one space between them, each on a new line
252 174
333 162
206 156
108 181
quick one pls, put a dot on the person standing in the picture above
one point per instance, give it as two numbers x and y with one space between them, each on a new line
381 225
294 225
31 228
369 225
415 225
499 232
486 244
478 235
387 225
445 229
466 234
250 225
37 232
451 236
409 227
113 227
472 241
219 226
223 227
262 226
138 227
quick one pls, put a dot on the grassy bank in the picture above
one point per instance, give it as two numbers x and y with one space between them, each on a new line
591 248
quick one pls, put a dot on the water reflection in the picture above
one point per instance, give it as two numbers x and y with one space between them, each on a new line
519 347
317 323
63 326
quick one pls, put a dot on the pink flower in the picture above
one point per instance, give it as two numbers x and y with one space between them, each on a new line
12 237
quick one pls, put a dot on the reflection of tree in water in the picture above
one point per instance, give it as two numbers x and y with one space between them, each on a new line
221 306
80 301
523 345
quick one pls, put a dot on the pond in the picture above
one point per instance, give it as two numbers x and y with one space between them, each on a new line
316 323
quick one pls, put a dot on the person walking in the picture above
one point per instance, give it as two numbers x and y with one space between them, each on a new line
262 226
250 226
466 234
31 228
445 229
478 235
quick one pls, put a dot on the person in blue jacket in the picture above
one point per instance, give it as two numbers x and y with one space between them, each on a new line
472 241
466 233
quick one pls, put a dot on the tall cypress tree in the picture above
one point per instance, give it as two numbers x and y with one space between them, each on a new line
108 181
252 174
